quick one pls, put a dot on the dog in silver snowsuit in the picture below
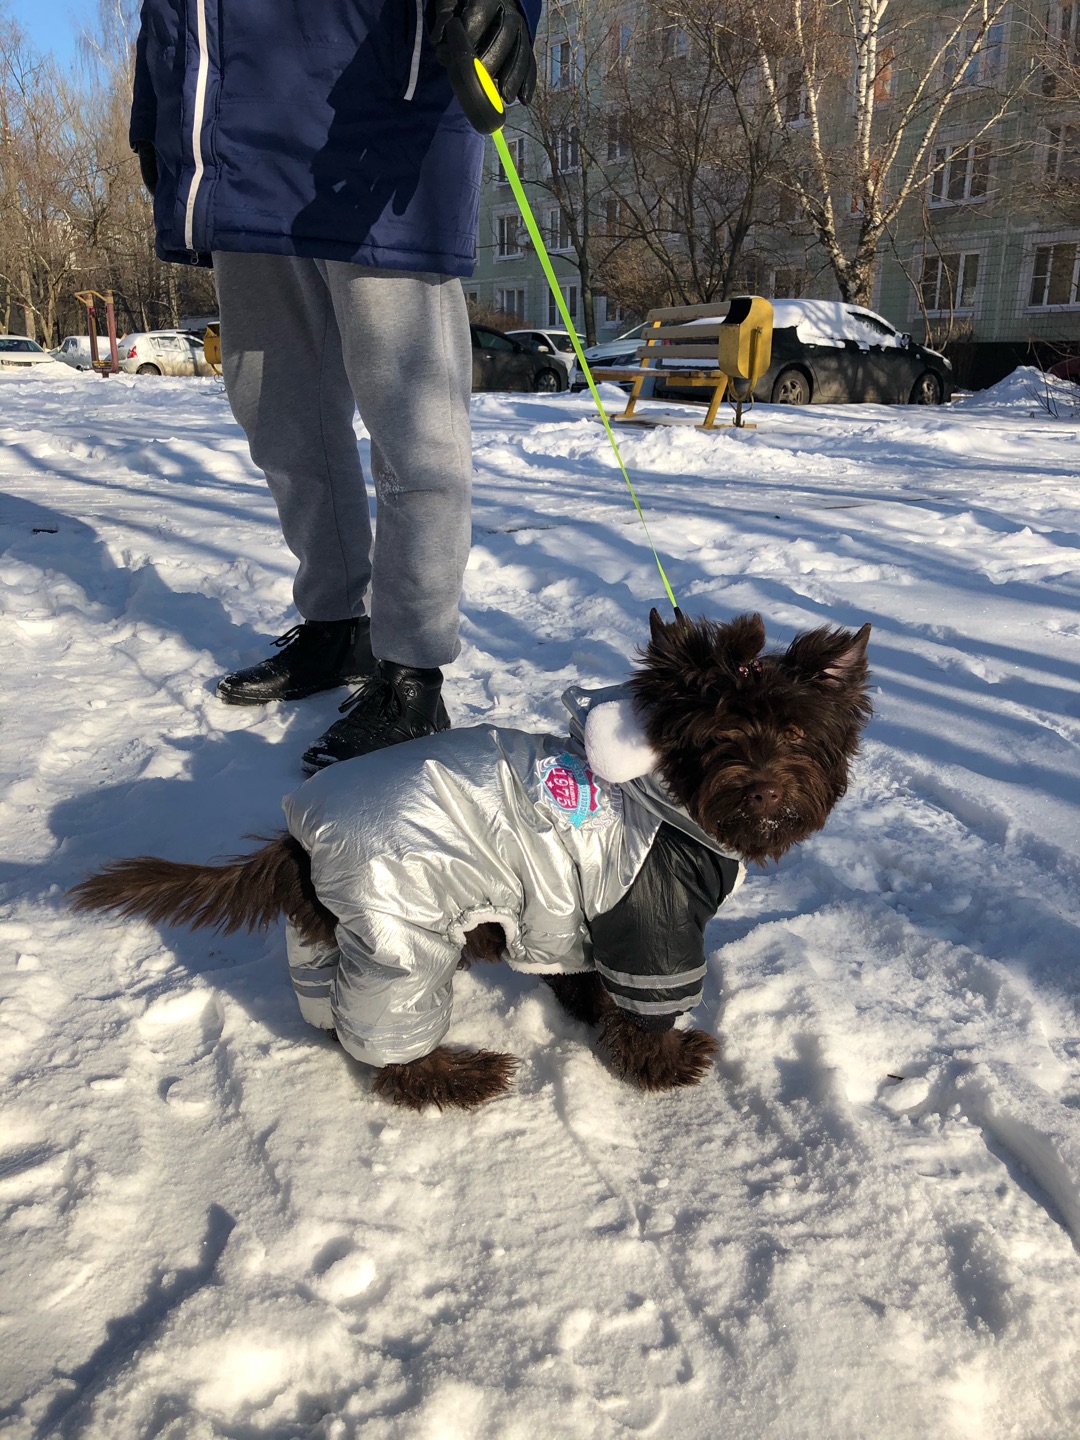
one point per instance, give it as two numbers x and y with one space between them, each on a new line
572 845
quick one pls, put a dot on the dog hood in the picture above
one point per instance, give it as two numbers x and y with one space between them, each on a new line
606 727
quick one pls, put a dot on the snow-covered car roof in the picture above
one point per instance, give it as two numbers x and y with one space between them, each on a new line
830 322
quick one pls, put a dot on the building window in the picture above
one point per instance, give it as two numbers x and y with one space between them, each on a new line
607 311
961 173
885 78
982 68
564 63
613 226
568 150
674 43
949 282
1062 51
1054 275
788 283
517 154
570 295
618 135
1061 153
558 228
507 236
795 101
511 302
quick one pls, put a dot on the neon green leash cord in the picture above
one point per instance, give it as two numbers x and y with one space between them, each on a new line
510 170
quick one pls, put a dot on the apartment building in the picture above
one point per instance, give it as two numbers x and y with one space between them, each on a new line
983 256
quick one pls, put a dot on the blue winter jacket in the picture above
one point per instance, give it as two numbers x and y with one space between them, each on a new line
324 128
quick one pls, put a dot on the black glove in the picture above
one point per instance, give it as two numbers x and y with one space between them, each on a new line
148 164
496 33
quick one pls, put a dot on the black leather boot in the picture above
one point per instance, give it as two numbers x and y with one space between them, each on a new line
397 703
316 655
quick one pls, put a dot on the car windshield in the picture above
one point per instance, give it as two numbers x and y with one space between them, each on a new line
562 342
11 343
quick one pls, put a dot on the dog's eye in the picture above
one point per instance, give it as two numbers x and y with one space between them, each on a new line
745 671
793 734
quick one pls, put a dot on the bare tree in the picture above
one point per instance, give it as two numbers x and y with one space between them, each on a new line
860 96
700 146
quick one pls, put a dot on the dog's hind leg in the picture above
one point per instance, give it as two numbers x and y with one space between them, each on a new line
485 942
448 1079
582 996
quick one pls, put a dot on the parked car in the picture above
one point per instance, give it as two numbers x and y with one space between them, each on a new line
828 352
556 343
1068 369
610 350
163 352
620 351
74 350
499 363
19 352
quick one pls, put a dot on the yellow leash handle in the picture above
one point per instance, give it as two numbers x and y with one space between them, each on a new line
527 215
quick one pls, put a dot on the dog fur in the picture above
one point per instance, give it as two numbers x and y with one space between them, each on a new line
756 746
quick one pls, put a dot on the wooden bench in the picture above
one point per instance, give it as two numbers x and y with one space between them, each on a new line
735 335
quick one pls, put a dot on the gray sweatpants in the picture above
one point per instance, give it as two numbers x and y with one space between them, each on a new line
304 344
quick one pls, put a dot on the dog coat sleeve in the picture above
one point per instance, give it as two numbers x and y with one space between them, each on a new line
649 949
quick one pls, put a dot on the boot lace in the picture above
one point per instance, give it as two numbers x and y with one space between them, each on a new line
288 637
382 703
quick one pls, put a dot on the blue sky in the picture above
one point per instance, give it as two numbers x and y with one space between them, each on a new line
54 24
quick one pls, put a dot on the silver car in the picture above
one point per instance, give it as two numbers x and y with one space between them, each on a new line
163 352
74 350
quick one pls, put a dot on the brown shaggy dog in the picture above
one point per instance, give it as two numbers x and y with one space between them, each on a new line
755 747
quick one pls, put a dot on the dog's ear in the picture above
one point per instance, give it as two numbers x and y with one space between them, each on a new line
658 629
743 638
835 659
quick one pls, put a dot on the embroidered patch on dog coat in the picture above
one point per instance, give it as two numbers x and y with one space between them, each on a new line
571 788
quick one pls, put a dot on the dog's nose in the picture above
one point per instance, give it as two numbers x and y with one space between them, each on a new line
763 797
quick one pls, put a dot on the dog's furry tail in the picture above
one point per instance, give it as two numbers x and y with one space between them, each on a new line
245 892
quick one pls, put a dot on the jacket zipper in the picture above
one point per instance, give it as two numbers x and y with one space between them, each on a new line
414 68
197 124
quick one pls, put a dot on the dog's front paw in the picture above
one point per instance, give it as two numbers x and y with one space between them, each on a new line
449 1079
656 1059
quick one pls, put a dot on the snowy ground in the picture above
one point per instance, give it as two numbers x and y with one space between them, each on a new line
864 1224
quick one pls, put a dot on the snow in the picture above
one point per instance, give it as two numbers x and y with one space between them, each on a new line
829 322
863 1224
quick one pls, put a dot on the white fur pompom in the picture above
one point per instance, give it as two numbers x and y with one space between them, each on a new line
615 743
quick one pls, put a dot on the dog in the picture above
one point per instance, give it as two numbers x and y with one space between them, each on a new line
595 862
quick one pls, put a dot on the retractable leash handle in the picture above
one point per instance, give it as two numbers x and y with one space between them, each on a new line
484 100
476 92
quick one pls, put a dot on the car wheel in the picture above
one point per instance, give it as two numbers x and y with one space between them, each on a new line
147 370
546 381
926 390
791 387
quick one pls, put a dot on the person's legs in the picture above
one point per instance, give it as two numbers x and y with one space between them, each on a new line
408 353
286 383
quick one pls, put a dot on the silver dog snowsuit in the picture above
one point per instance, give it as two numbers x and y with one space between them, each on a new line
414 845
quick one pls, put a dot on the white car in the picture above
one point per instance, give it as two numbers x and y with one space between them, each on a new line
19 352
620 351
163 352
74 350
556 343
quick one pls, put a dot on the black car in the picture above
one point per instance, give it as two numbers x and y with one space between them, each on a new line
499 363
825 351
